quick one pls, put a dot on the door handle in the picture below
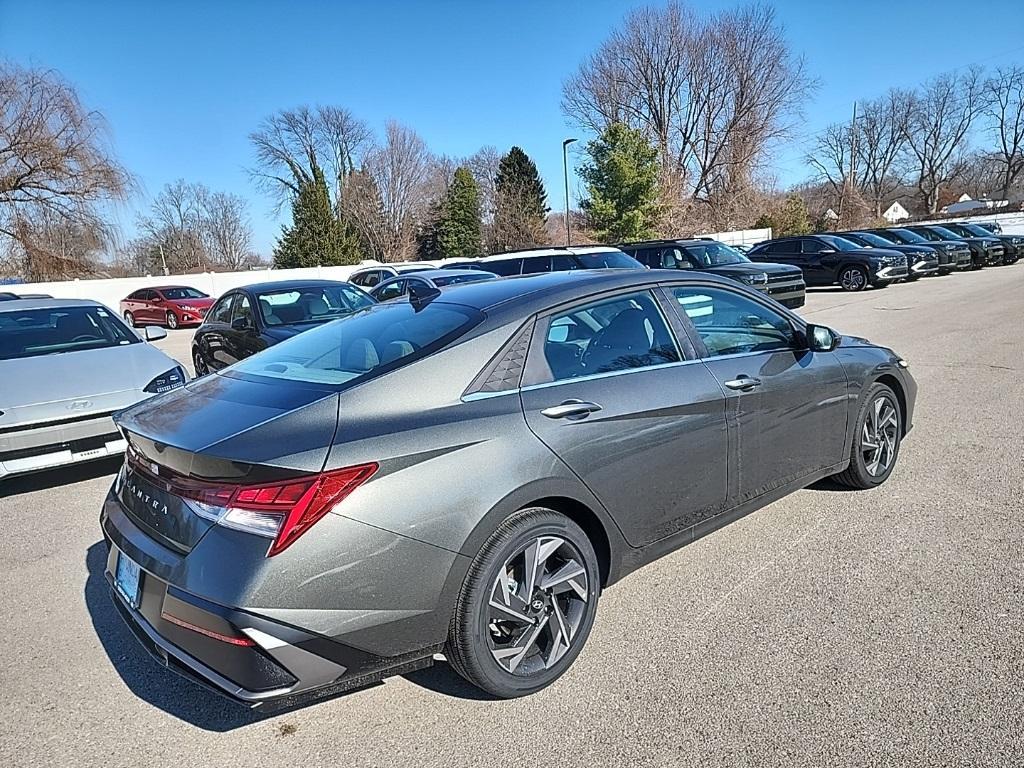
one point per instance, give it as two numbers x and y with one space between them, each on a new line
744 383
571 409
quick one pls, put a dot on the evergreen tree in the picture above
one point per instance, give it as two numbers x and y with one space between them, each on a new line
457 229
520 204
791 218
622 185
316 236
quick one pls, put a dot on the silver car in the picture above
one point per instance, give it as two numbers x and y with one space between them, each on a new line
66 365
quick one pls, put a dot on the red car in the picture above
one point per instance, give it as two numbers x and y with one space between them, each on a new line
170 305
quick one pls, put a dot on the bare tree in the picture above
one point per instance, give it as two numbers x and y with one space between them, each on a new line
832 158
292 143
225 229
174 224
712 94
401 170
938 119
57 171
881 144
483 164
1003 105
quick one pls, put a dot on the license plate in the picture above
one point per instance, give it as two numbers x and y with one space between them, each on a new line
127 577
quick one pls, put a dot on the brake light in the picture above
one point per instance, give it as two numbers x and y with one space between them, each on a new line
245 642
281 511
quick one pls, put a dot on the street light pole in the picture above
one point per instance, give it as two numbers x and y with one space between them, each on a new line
565 172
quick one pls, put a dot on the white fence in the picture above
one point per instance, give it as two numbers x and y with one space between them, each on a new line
742 236
111 291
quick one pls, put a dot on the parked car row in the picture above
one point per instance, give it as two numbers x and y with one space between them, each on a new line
856 260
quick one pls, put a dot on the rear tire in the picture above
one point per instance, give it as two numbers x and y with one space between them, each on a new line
853 278
876 442
514 631
130 319
199 364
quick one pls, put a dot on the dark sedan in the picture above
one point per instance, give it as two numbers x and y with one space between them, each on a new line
922 260
247 320
782 282
468 473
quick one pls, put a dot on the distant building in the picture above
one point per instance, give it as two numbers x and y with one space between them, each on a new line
966 203
896 212
831 215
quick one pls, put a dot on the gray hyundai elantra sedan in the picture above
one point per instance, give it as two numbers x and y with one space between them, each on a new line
464 473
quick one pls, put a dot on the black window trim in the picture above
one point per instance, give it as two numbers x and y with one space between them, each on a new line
230 299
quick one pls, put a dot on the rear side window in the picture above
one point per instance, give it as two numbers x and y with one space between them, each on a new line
221 313
363 345
536 265
504 267
611 335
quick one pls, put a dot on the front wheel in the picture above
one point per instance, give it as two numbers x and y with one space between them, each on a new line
527 605
172 320
853 278
876 444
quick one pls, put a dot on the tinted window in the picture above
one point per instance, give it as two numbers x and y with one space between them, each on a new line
221 313
612 335
780 248
729 323
36 332
366 279
563 263
242 310
313 304
137 296
176 294
714 254
536 264
504 267
355 348
390 291
608 260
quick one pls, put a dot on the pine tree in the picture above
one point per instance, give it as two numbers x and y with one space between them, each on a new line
458 222
520 204
316 237
622 185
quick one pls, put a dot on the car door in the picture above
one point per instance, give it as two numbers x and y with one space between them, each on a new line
788 405
820 261
143 306
244 332
607 389
213 334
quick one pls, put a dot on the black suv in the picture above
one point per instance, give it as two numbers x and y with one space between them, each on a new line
1013 245
782 282
985 251
922 260
957 251
832 260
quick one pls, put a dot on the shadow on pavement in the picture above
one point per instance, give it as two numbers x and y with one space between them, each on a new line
53 478
188 701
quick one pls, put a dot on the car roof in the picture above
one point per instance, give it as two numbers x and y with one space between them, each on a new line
164 287
547 251
442 272
527 294
286 285
671 241
16 304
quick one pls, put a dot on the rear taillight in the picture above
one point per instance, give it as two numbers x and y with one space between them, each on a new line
281 511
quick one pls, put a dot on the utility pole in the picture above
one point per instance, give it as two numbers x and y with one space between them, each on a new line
565 173
851 177
163 261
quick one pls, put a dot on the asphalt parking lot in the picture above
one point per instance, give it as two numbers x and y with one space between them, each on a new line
831 628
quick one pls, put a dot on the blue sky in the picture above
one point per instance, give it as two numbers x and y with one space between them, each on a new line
182 84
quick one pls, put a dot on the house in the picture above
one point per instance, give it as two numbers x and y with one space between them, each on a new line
896 212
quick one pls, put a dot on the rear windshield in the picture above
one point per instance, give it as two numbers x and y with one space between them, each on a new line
356 348
174 294
455 279
36 332
319 304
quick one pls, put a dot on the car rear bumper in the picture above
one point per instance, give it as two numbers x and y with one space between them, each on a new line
318 638
42 446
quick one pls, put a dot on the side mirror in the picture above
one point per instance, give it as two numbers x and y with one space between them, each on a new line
240 324
153 333
820 338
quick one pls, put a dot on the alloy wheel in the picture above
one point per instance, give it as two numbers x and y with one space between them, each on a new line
172 320
130 319
537 603
853 279
880 435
